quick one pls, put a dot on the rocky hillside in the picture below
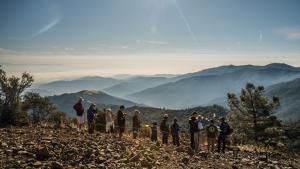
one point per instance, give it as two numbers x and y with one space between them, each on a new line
41 147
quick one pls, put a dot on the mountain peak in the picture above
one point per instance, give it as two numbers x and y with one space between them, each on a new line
280 66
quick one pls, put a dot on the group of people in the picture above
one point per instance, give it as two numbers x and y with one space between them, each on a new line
109 119
213 133
196 127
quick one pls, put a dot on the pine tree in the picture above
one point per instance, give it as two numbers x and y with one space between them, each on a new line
253 109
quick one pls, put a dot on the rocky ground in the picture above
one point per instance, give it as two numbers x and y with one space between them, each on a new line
65 148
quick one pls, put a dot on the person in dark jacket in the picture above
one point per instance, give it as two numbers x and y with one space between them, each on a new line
224 131
121 120
164 129
136 123
90 117
78 107
154 132
192 128
175 132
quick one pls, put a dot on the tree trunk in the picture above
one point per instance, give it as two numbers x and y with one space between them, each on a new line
255 127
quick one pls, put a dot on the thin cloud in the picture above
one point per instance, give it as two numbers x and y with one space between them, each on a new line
186 22
157 42
151 42
47 27
290 33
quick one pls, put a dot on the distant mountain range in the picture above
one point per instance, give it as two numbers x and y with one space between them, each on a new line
200 88
135 84
205 87
71 86
289 97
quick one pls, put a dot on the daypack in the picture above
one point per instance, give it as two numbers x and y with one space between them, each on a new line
78 108
212 129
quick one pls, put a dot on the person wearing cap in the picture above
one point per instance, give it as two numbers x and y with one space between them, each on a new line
136 123
175 132
164 129
192 128
109 121
121 119
78 107
90 117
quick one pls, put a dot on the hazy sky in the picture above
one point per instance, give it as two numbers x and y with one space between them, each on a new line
70 38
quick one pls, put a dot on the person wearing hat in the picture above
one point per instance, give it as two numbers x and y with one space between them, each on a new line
109 121
164 129
90 117
175 132
78 107
136 123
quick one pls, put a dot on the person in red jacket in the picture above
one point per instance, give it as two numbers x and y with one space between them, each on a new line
78 107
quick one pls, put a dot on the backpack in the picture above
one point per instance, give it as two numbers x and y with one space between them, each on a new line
78 108
212 129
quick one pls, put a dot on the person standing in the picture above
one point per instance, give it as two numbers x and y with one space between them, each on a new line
198 126
164 129
175 132
192 129
136 123
109 121
154 132
121 119
224 131
90 117
212 132
78 107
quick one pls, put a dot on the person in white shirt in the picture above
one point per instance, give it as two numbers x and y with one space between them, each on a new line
109 120
199 126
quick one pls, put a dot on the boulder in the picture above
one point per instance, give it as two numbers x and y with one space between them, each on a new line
37 164
185 160
42 153
56 165
203 154
147 164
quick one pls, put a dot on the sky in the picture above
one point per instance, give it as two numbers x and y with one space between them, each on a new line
59 39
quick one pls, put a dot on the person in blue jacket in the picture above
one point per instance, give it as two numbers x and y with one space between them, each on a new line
224 131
